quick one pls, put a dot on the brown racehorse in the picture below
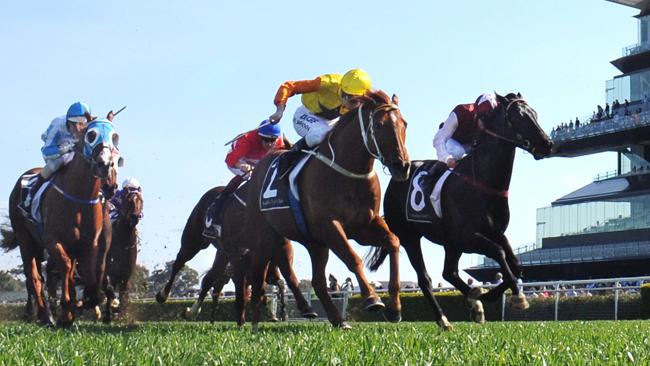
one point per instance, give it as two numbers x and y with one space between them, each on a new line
73 220
475 212
123 253
340 198
193 240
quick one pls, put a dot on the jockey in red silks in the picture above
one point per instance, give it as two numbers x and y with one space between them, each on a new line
462 128
249 149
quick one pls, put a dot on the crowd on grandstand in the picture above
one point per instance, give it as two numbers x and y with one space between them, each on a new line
601 115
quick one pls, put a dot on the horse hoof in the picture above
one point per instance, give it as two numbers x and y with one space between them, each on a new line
519 302
444 324
46 322
393 316
98 313
274 319
115 303
477 314
160 298
310 314
345 326
373 303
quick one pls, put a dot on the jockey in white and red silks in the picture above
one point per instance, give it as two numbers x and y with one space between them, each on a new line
462 128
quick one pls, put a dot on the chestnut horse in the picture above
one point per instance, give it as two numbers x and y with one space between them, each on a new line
340 197
123 253
72 223
230 247
474 202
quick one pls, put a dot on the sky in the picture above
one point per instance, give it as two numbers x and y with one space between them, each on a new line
195 74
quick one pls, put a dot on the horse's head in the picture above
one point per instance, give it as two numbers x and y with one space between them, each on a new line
100 148
385 134
133 206
518 125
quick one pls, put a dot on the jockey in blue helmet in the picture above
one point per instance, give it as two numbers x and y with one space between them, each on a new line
59 140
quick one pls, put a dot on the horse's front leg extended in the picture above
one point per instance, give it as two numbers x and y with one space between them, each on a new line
88 264
495 250
337 240
378 234
319 255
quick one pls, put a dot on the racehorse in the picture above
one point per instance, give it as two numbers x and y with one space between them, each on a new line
73 223
339 198
123 253
230 247
474 202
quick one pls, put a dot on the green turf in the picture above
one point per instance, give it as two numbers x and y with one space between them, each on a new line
510 343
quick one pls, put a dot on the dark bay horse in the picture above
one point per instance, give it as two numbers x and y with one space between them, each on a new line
230 247
340 197
123 253
73 223
475 212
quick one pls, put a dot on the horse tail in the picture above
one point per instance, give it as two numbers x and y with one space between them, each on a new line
9 241
375 257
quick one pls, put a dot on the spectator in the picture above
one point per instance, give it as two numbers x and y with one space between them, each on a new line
334 284
348 285
607 110
601 113
626 111
577 123
498 278
571 125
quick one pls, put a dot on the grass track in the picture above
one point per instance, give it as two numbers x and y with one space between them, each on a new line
510 343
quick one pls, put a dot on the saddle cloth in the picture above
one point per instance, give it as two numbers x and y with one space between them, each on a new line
26 183
423 197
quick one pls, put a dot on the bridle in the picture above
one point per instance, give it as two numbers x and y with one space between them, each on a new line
519 141
367 135
369 131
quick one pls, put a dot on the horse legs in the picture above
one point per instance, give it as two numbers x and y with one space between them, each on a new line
378 233
218 285
241 291
88 270
283 259
260 263
66 268
497 252
217 270
450 273
187 252
281 296
414 253
34 281
336 239
319 255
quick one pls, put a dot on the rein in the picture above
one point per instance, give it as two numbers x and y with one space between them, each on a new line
74 199
365 135
482 187
520 142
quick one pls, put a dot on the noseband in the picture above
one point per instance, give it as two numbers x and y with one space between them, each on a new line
519 141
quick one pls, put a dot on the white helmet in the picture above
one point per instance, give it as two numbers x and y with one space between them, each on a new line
131 183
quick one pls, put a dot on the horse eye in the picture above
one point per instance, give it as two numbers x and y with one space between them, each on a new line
91 136
116 139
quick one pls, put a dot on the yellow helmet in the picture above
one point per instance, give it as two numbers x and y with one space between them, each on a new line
355 82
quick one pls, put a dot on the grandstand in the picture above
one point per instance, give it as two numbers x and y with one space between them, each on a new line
601 230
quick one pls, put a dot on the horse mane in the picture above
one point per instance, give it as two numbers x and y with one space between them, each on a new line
372 98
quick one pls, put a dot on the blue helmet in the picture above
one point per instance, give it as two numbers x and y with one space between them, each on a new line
270 130
77 112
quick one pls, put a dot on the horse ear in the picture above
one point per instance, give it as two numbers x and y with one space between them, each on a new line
500 98
518 95
110 116
395 99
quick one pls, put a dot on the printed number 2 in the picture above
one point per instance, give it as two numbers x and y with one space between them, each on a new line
417 195
269 192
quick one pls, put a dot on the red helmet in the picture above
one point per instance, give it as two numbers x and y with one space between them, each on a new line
486 104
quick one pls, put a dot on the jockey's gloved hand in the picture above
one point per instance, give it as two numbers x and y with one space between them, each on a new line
65 148
277 116
245 167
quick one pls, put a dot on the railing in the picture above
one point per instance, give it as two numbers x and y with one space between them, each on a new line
602 127
636 49
606 175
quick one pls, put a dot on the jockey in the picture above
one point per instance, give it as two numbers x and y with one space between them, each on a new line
324 100
60 139
249 149
461 128
115 203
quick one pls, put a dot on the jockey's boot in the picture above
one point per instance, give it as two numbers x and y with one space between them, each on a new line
25 205
290 157
433 174
214 229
